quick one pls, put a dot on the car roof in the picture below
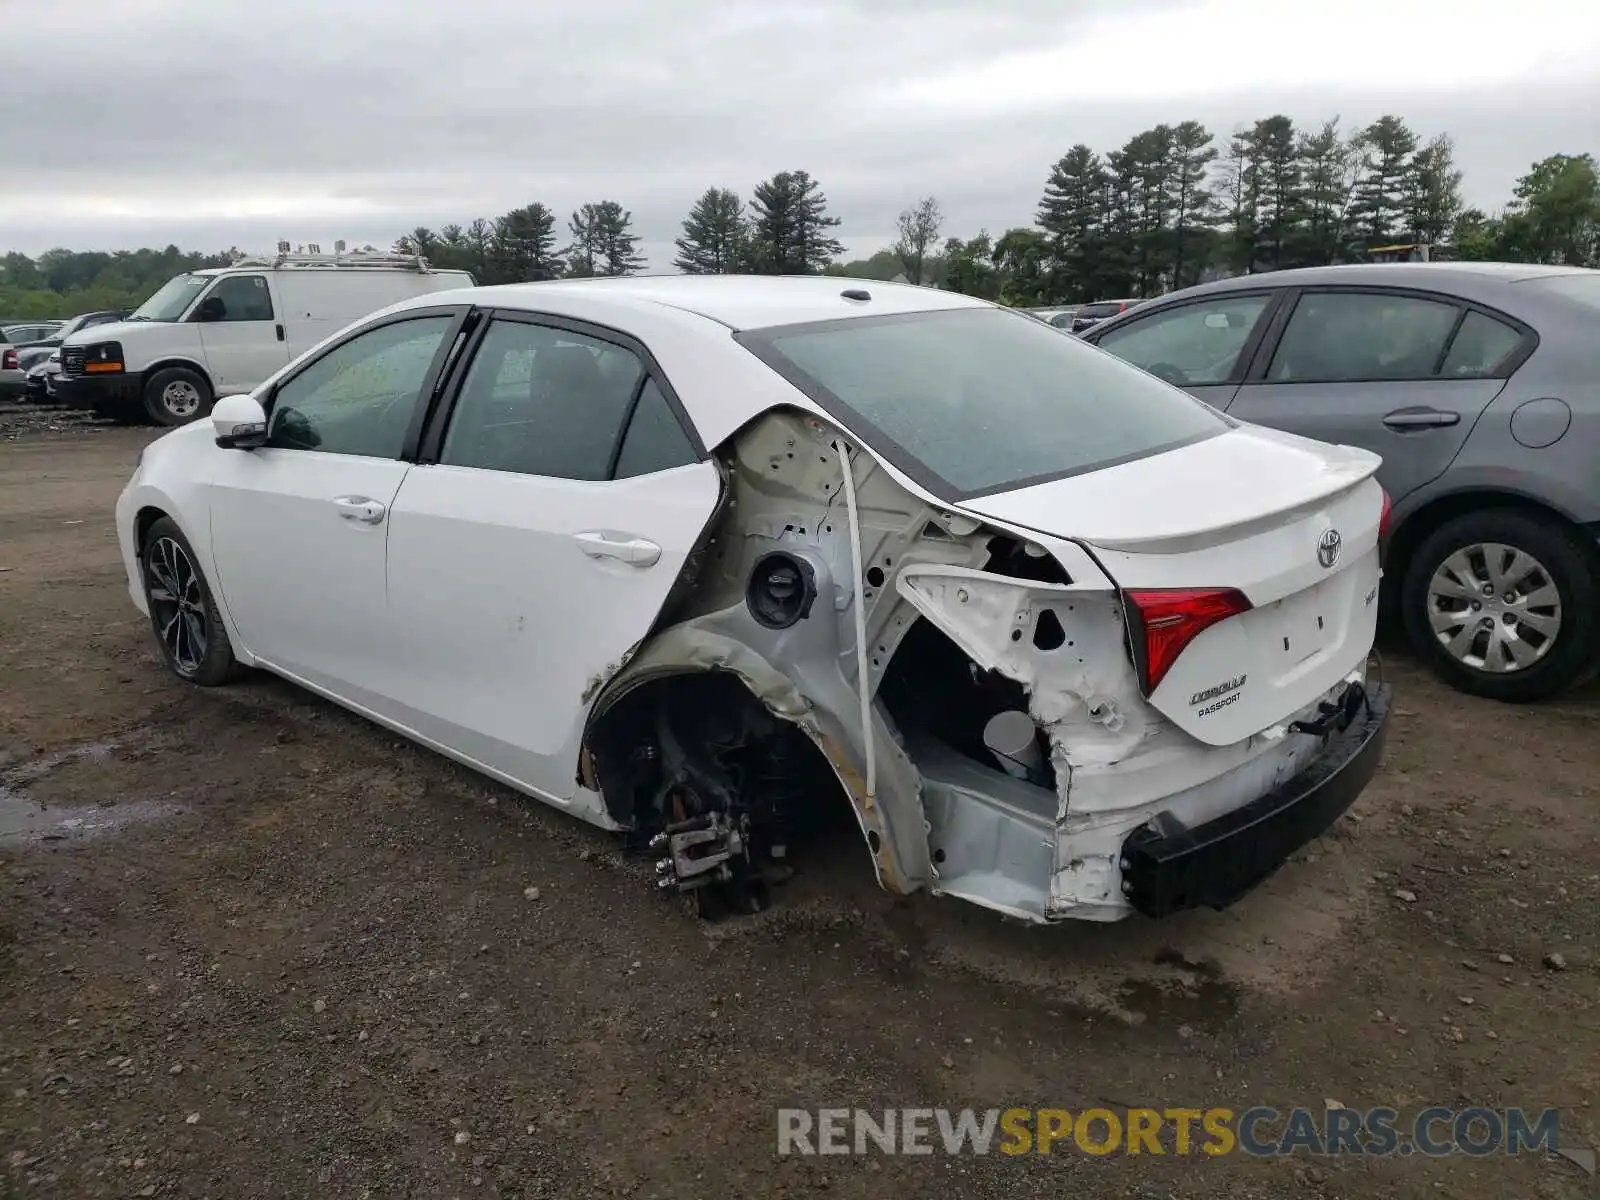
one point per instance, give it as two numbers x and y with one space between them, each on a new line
687 323
1439 276
1491 284
739 302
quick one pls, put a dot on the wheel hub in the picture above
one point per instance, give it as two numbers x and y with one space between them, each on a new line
180 398
177 606
1494 608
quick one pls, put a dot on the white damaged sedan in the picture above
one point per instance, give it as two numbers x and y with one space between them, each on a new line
688 556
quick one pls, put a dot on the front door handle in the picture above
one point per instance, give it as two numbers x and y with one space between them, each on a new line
635 551
1421 418
360 509
280 331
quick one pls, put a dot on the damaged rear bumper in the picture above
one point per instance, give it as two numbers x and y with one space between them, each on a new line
1215 863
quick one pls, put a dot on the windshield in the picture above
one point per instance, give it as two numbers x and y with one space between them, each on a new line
173 299
980 400
1582 286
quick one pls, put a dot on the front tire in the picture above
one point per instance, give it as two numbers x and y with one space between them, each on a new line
183 613
1504 605
175 396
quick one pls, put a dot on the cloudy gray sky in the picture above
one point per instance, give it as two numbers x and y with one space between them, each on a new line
235 122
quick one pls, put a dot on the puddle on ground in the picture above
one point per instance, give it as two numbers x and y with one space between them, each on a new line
1195 995
24 819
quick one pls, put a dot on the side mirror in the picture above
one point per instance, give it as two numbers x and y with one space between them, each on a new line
239 422
211 309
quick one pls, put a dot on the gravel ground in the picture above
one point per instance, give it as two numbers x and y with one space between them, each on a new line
253 946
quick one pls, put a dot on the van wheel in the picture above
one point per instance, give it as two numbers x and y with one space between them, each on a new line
1503 605
176 396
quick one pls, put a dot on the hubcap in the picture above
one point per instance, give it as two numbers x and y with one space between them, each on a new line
1494 608
176 604
180 397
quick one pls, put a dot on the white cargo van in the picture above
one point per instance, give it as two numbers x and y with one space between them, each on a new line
211 333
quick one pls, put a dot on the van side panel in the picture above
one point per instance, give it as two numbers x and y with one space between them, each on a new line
316 303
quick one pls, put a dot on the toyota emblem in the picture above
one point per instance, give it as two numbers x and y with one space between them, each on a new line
1328 548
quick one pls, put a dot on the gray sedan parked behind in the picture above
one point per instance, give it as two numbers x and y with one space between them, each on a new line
1479 384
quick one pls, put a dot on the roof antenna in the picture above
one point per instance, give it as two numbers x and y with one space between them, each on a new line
856 294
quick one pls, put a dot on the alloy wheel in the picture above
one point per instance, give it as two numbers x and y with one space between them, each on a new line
1494 608
177 604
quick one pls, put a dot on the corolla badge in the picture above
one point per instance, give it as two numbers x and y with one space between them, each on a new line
1328 548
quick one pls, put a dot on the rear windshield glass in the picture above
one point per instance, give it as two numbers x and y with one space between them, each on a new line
1584 287
980 400
1100 310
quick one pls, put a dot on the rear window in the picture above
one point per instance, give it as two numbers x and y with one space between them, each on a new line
977 401
1584 287
1100 310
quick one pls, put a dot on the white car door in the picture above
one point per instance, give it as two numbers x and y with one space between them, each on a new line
536 542
299 526
242 333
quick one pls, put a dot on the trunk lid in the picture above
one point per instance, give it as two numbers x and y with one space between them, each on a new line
1255 510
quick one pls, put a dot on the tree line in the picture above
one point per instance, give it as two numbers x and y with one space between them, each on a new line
783 230
1172 206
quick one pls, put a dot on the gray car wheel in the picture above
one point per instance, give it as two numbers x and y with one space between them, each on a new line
1502 604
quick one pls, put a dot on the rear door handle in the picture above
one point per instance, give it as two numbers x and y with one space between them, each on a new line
1421 418
360 509
635 551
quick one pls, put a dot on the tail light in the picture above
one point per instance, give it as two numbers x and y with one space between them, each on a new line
1162 622
9 362
1384 517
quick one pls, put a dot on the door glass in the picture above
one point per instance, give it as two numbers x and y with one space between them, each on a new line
1350 337
1191 345
359 397
1480 346
654 441
541 401
242 298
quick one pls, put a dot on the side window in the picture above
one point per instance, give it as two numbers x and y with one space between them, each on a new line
541 401
239 298
359 397
654 441
1357 337
1191 345
1481 345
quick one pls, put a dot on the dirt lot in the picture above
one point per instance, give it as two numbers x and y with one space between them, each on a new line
253 946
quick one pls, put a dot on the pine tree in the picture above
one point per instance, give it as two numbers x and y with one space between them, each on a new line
1433 192
1378 203
1071 214
789 233
714 235
584 249
1274 148
524 245
1239 193
1149 158
479 240
1191 204
619 245
1326 163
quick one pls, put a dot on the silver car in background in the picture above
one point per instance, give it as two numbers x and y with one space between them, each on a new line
1479 384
